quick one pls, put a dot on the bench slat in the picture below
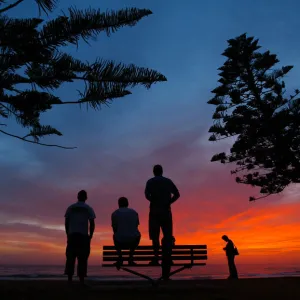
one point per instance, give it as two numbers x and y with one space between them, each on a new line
147 265
150 252
149 258
179 247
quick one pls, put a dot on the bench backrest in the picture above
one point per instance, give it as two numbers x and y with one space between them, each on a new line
180 253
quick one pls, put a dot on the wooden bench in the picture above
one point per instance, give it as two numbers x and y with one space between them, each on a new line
183 256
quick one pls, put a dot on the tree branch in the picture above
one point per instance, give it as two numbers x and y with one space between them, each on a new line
72 102
289 101
13 90
226 137
11 111
10 6
251 83
32 142
265 196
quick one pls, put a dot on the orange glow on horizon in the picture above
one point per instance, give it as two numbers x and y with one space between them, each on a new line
269 233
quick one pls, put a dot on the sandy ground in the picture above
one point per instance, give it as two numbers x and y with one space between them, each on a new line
243 289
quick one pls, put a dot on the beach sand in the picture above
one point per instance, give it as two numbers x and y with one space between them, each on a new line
243 289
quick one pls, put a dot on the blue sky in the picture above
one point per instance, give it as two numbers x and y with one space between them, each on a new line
182 41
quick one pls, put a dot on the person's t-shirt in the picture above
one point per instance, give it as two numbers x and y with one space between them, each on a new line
229 248
78 215
126 222
160 190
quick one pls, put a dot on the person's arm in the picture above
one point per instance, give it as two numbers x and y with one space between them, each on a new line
174 192
229 247
67 225
92 218
92 227
114 223
147 191
67 221
138 220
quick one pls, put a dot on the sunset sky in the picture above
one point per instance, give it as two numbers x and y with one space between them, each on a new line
167 124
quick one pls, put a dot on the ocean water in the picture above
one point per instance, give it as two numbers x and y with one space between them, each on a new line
213 271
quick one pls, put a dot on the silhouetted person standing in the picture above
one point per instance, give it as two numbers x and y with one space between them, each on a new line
78 217
161 192
231 252
125 223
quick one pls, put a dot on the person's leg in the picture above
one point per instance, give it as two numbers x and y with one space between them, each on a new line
70 259
132 248
118 247
167 229
234 270
229 266
166 223
166 259
83 255
154 231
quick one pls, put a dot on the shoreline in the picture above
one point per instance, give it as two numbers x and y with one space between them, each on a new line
137 282
281 288
104 278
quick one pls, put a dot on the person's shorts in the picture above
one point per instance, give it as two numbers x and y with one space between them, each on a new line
78 245
161 221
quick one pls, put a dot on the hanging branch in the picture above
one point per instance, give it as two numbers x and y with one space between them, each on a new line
33 65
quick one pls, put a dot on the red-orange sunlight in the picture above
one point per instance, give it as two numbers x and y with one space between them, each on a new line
268 233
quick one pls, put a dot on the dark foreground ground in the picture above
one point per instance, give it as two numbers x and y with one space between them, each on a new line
243 289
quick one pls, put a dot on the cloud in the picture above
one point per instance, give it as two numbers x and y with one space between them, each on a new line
211 203
118 146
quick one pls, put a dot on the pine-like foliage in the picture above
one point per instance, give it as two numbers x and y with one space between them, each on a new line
33 65
252 106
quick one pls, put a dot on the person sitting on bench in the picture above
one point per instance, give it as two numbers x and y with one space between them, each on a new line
125 222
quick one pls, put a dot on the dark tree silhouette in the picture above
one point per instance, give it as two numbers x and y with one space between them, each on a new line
33 65
252 106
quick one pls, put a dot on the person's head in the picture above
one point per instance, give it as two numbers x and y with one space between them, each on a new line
82 196
123 202
157 170
225 238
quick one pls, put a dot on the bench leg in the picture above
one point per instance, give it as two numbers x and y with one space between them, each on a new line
156 282
177 271
139 274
